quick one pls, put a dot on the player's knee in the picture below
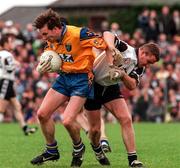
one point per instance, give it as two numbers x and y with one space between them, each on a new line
125 120
42 116
67 122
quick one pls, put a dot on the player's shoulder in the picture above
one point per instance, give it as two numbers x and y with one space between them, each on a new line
5 53
86 33
73 30
122 45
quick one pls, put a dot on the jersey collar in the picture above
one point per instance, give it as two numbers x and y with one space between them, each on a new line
64 29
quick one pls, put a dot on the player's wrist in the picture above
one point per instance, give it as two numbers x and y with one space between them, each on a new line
122 74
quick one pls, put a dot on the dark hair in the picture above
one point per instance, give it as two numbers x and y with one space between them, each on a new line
153 48
49 17
4 39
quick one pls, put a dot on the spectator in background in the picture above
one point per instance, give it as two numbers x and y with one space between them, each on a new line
29 33
115 28
163 43
165 20
172 79
138 38
175 23
104 26
151 31
173 105
143 20
153 15
141 101
156 111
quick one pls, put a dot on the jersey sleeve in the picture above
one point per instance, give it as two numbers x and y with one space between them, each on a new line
90 39
120 45
9 64
137 74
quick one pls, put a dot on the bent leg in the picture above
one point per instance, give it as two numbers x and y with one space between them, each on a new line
83 121
18 111
119 109
104 140
94 118
3 105
51 102
103 132
73 108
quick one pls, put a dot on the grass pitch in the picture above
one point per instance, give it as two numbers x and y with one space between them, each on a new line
158 146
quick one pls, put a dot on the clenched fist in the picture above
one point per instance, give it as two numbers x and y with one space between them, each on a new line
116 73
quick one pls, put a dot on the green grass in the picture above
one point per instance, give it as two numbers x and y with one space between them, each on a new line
158 146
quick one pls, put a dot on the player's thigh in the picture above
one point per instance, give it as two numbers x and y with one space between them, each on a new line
3 105
73 108
51 102
118 107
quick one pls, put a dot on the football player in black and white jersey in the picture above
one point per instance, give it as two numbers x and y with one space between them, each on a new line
127 68
7 78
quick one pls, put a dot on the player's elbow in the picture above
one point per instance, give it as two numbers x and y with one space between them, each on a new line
107 34
131 85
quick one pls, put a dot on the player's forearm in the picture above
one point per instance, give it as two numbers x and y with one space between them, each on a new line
109 39
129 82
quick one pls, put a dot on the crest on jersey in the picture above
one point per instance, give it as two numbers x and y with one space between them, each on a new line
68 47
96 42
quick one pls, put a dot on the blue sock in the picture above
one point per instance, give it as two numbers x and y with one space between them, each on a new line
52 148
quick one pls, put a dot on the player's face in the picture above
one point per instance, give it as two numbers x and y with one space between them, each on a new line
11 43
50 35
146 58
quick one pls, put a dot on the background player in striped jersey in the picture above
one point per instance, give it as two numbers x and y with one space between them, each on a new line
7 80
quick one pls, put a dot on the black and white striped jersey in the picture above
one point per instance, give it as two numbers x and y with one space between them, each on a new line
7 65
130 62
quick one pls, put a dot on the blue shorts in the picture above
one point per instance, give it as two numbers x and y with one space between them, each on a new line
74 84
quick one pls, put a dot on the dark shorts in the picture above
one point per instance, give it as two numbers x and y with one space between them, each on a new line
102 95
74 84
6 89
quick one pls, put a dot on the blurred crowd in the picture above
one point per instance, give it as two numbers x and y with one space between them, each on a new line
156 99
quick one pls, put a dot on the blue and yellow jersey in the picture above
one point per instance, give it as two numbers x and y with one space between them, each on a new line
75 49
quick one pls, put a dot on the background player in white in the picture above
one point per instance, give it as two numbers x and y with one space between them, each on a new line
7 79
126 67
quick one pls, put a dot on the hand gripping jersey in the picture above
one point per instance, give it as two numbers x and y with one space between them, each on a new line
101 66
75 49
7 65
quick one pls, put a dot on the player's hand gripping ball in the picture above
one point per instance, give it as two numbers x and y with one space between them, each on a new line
50 61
